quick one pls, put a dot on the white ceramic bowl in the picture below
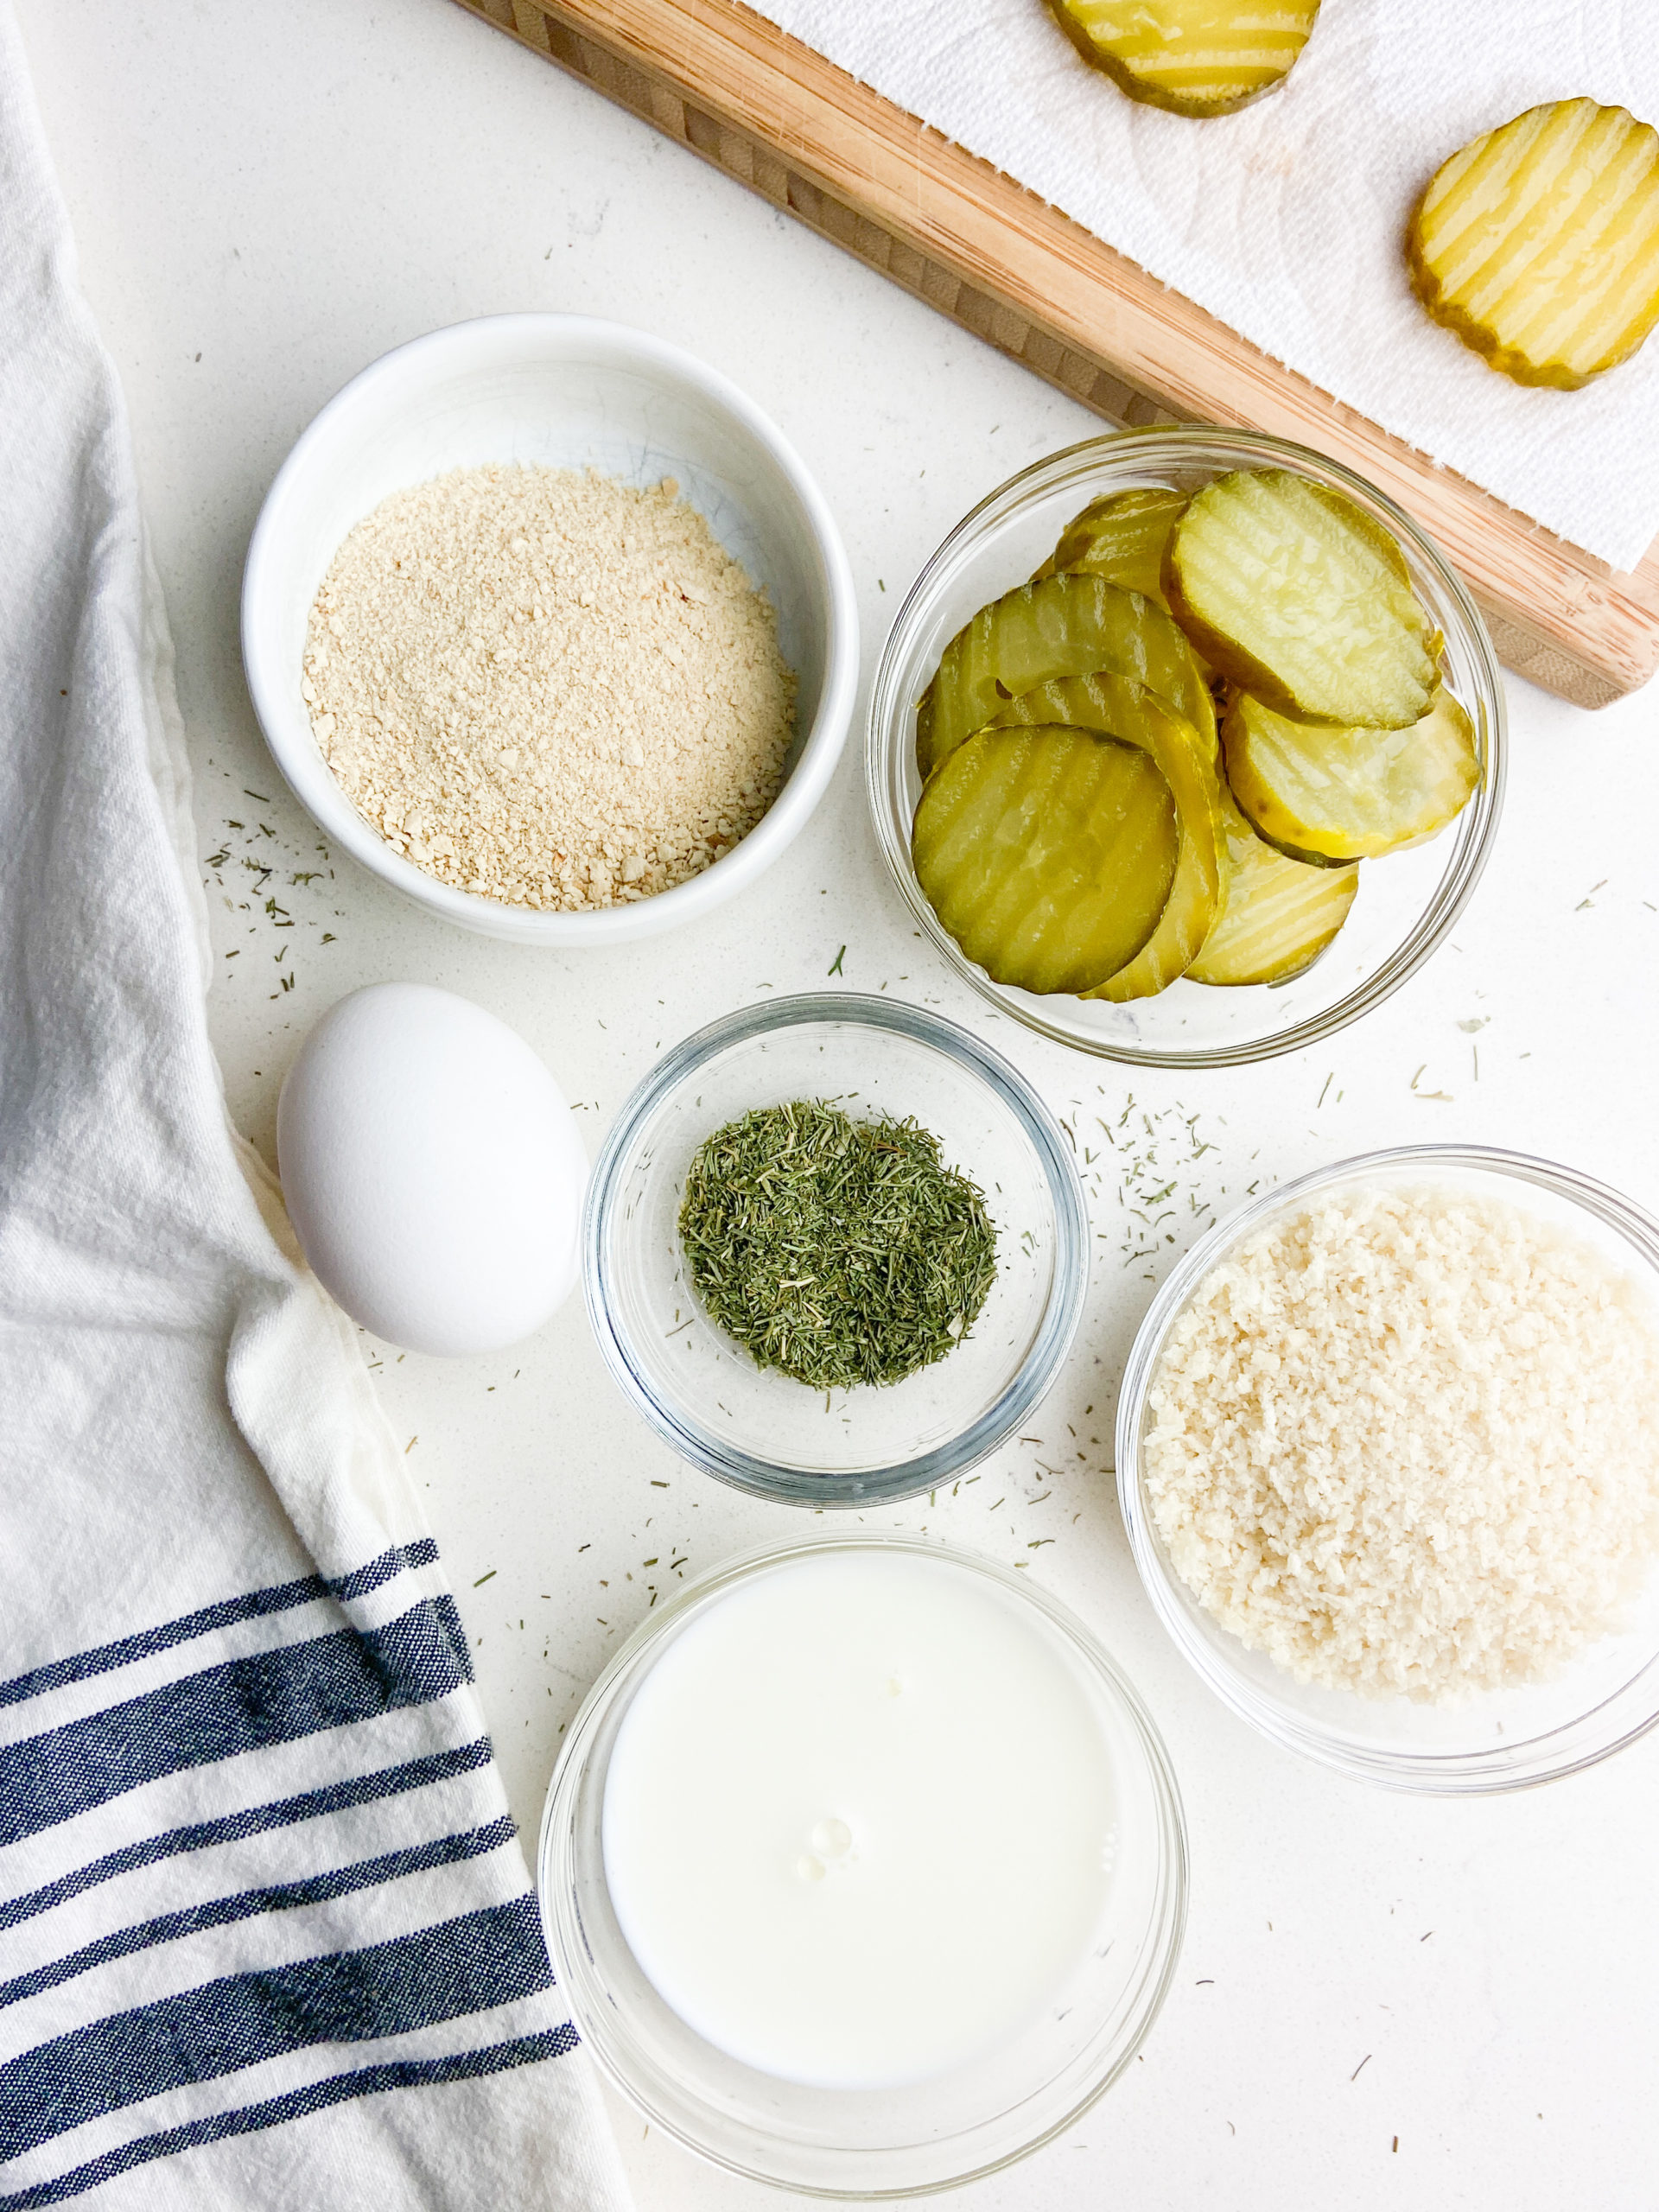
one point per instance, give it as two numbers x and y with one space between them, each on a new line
563 391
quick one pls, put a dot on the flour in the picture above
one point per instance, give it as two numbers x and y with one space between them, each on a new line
546 687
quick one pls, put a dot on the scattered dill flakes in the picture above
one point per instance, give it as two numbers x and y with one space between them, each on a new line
841 1251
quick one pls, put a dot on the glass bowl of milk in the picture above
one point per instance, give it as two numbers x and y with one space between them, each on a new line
863 1870
760 1428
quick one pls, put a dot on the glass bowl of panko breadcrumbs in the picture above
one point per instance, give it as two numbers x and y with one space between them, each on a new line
547 627
1388 1455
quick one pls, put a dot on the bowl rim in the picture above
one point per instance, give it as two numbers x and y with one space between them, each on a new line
1522 1763
1175 1849
1061 1319
301 766
888 713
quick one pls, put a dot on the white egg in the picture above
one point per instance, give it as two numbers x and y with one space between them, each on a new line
433 1171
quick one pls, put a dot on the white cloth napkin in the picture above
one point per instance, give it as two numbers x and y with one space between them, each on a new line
1286 221
266 1936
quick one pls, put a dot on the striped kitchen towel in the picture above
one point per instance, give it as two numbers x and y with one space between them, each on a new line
266 1935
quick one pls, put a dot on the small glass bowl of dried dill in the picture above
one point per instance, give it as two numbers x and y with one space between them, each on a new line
836 1250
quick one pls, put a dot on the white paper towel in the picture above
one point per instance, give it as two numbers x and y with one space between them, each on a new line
1286 221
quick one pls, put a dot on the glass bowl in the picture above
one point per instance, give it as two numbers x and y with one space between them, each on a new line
1503 1739
865 2144
1404 905
759 1428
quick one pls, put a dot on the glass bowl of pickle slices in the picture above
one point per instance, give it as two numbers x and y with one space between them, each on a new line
1186 747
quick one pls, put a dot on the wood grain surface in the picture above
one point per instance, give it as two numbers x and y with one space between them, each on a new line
973 243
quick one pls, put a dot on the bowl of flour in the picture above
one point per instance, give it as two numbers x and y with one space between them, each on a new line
548 626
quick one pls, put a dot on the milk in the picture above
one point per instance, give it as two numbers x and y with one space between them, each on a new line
858 1819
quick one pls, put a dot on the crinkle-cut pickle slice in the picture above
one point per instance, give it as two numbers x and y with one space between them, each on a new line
1278 914
1196 57
1066 626
1117 707
1122 537
1330 796
1538 243
1048 854
1299 597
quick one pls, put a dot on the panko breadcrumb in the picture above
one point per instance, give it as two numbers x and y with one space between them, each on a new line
1406 1442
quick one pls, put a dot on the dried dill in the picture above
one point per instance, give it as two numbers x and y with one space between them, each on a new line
840 1251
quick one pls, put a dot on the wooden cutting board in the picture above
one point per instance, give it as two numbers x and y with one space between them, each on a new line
1016 271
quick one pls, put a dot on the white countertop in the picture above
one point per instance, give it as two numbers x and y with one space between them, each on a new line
1383 2002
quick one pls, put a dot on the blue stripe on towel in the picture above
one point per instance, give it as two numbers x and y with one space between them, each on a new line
397 1561
449 1614
316 2096
242 1704
254 1820
279 1597
461 1966
282 1897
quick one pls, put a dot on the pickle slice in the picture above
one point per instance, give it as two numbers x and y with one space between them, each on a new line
1122 537
1048 854
1195 57
1064 626
1330 796
1127 711
1538 243
1300 599
1278 914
